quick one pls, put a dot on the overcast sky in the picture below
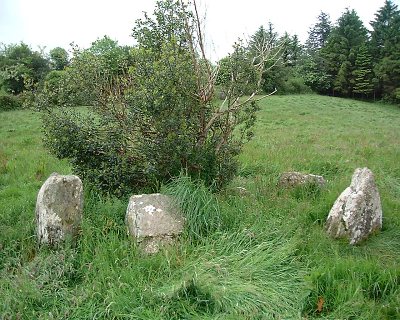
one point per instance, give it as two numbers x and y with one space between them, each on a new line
53 23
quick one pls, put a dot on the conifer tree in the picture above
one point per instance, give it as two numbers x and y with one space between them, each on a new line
313 66
342 81
319 33
363 74
341 49
292 50
385 48
385 32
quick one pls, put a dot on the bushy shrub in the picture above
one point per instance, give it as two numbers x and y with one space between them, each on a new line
295 85
9 102
99 151
21 67
53 79
152 110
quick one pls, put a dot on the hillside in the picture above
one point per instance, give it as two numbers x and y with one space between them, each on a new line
271 259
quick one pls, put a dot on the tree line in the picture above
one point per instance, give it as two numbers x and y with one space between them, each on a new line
346 59
342 59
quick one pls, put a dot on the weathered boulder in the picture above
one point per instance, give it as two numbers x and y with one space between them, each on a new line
357 212
294 179
153 220
59 208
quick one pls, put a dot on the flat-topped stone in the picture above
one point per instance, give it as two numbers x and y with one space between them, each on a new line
153 220
294 179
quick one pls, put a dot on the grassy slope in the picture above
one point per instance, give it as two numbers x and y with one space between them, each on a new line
271 258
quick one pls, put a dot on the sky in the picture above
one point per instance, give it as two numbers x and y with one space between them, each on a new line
55 23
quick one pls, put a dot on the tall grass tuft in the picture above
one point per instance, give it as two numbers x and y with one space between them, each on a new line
198 205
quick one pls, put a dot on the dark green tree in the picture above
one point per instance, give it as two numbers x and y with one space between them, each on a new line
292 50
267 41
388 74
342 81
385 31
363 73
58 58
20 67
341 49
313 65
319 33
385 47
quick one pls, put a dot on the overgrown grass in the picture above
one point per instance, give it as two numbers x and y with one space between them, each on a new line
199 207
253 252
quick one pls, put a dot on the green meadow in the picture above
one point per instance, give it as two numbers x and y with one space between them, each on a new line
266 256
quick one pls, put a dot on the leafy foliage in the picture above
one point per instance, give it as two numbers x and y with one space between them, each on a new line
150 115
59 58
21 67
238 65
9 102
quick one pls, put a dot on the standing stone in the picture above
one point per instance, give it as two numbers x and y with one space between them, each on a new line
59 208
294 179
357 212
153 221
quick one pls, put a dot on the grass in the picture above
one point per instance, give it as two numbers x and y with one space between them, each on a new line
253 252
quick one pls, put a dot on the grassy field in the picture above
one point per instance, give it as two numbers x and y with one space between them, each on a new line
270 259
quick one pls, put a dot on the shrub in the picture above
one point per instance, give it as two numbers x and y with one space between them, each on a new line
152 110
295 85
9 102
21 67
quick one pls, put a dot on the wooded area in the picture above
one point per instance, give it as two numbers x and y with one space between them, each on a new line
342 59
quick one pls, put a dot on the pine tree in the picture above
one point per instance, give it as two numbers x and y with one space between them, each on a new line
384 33
385 47
388 74
341 50
313 66
292 50
363 74
319 33
267 38
342 81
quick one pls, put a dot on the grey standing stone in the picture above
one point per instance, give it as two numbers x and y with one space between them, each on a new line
153 221
294 179
357 212
59 208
